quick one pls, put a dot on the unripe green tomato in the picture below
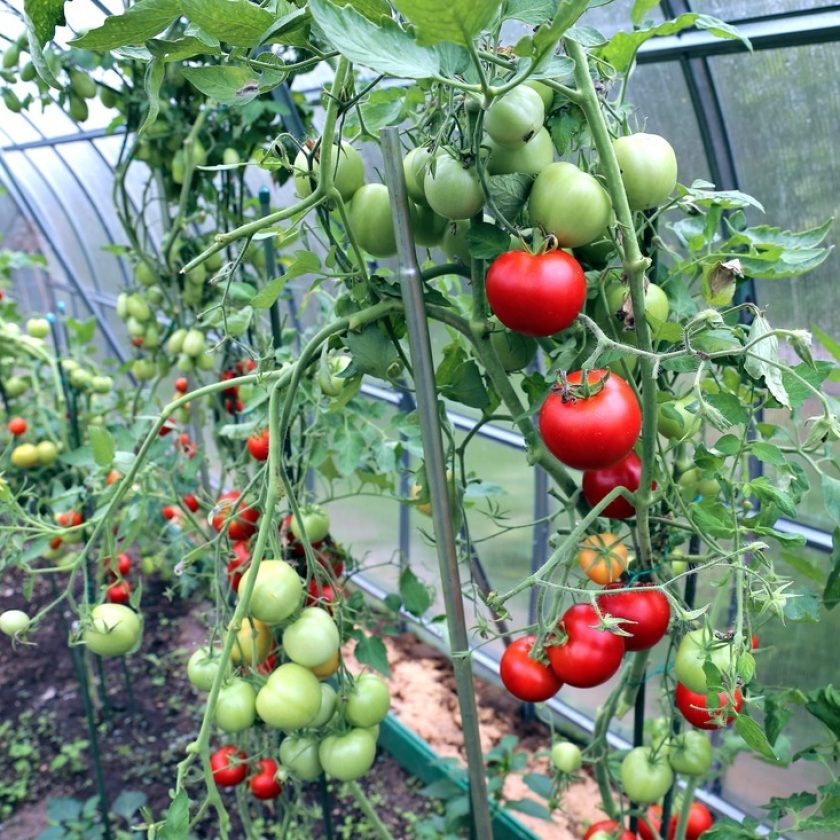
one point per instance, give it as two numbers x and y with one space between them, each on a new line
25 456
648 169
415 166
426 225
11 57
102 384
11 101
69 365
143 369
81 379
566 757
138 308
514 118
178 167
122 306
38 327
348 756
199 153
290 699
529 159
656 303
299 755
693 483
175 342
368 701
144 274
545 92
348 172
151 337
13 621
278 591
454 243
47 453
691 753
452 190
570 204
15 386
235 706
204 362
329 700
78 109
194 343
182 415
214 262
82 84
646 776
685 425
197 275
135 328
203 664
312 639
114 630
694 648
230 157
185 363
371 222
107 97
332 384
515 351
154 294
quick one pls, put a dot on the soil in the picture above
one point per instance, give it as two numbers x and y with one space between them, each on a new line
44 749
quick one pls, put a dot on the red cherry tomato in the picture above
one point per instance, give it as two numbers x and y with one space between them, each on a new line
242 525
536 294
647 608
608 828
270 663
588 656
244 366
699 820
190 502
265 785
17 426
588 433
55 542
113 476
526 678
625 473
229 766
118 593
258 446
693 708
123 564
168 512
167 427
182 385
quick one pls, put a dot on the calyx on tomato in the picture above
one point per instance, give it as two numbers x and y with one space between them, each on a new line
693 707
646 612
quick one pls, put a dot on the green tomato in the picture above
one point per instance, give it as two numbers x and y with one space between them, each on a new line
15 386
368 701
415 167
291 697
694 482
328 376
597 253
144 274
299 755
194 343
114 630
278 591
204 663
529 159
426 225
135 328
645 777
230 157
143 369
102 384
78 109
570 204
515 351
348 172
151 337
138 308
675 421
121 307
184 363
175 342
566 757
656 303
349 756
235 706
312 639
545 92
47 453
694 649
107 97
514 118
452 190
329 700
11 57
371 222
38 327
81 379
316 523
13 622
82 84
454 243
691 753
648 169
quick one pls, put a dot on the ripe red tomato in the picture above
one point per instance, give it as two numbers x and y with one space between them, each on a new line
258 445
265 785
693 708
588 433
113 476
55 543
118 593
190 502
536 294
625 473
607 830
526 678
699 820
167 427
588 656
647 608
181 385
123 564
229 766
242 526
70 519
237 566
168 512
17 426
321 595
244 366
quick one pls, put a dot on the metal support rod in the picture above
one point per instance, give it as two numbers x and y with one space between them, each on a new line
427 404
272 270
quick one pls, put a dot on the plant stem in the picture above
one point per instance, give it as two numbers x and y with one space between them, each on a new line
688 797
369 811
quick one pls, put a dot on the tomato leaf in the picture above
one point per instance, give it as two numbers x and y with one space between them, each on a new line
640 9
415 594
229 84
776 716
831 594
236 22
152 81
530 807
370 650
486 241
541 784
534 12
141 21
443 20
831 496
754 736
177 818
767 453
305 262
373 352
382 46
509 193
102 446
128 803
459 378
762 359
180 48
824 704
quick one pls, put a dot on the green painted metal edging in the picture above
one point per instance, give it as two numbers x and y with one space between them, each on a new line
413 754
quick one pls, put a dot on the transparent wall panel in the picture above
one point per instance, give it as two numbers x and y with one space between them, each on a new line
738 9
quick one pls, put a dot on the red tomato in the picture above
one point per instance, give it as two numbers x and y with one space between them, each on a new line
608 828
258 445
244 366
269 664
113 476
123 564
168 512
647 608
265 785
228 766
754 641
17 426
536 294
242 526
526 678
598 483
237 566
167 427
190 502
321 595
55 542
693 708
119 593
699 820
182 385
588 656
588 433
138 340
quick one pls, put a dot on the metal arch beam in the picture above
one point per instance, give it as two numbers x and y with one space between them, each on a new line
34 219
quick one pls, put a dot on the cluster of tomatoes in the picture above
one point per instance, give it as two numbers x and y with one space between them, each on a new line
119 587
650 826
232 401
27 456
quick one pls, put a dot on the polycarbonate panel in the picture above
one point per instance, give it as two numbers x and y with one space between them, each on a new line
616 16
739 9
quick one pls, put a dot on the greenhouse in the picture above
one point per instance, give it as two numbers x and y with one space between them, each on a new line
344 490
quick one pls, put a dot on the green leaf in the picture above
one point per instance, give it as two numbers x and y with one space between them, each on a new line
763 236
44 15
621 49
535 12
776 716
721 29
486 241
382 47
640 9
373 352
444 20
153 79
762 360
415 594
373 10
305 262
726 445
229 84
754 736
712 518
177 823
703 194
801 565
798 391
530 807
768 493
541 784
803 609
827 341
181 48
509 193
237 22
831 496
824 705
729 406
370 650
128 803
768 453
141 21
459 378
817 822
831 594
102 446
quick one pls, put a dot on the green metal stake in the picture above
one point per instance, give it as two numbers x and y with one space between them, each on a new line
427 407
